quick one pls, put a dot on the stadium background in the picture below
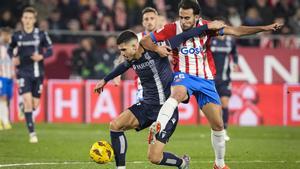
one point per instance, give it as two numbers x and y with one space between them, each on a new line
84 31
266 90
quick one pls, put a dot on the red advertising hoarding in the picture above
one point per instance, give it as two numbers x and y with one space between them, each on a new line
291 95
104 107
65 101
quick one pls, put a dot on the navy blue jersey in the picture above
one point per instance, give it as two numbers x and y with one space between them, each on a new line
156 77
222 51
28 44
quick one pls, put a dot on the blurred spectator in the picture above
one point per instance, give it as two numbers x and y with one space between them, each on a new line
106 23
265 11
105 59
88 22
82 61
284 8
55 21
70 9
55 24
45 8
74 27
162 20
212 9
233 16
136 12
120 16
252 17
160 7
6 19
44 25
294 22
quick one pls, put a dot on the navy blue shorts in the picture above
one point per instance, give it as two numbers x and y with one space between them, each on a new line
223 88
34 85
147 114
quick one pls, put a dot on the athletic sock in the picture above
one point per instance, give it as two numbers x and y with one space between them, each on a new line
170 159
119 144
29 122
166 112
218 143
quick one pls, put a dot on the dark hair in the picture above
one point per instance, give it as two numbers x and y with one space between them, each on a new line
6 30
30 10
190 4
149 9
126 36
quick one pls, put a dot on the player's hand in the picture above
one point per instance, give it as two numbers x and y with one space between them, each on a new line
117 80
163 51
273 27
99 86
216 25
16 61
37 57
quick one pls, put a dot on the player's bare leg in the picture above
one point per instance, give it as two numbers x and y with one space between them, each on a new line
225 114
125 121
28 108
213 114
156 155
4 113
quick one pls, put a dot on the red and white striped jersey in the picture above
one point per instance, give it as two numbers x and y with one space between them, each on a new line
141 35
6 66
194 56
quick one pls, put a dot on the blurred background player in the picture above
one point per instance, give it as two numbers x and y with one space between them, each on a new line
224 50
150 20
6 77
30 42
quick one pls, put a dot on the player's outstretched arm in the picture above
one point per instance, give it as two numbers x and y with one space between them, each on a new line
248 30
123 67
175 41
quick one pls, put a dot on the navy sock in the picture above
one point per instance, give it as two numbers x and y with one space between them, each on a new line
170 159
29 122
119 144
225 117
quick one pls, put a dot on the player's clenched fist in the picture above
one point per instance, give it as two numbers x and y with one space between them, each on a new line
99 86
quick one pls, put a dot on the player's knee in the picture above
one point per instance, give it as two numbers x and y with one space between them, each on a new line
114 126
179 96
154 158
218 126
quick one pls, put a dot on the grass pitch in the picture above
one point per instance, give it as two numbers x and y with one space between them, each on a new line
66 146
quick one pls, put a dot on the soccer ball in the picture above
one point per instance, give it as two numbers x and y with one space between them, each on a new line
101 152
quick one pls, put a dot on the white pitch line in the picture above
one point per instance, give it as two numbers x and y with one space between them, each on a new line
133 162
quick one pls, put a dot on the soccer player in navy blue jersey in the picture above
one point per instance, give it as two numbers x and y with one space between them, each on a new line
33 47
156 77
224 50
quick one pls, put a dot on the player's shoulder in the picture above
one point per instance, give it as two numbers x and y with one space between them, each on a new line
203 21
168 26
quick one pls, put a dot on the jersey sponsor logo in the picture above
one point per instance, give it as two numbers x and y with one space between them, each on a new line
144 65
185 50
29 43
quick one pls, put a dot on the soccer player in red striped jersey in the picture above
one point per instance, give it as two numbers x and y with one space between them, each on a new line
194 72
